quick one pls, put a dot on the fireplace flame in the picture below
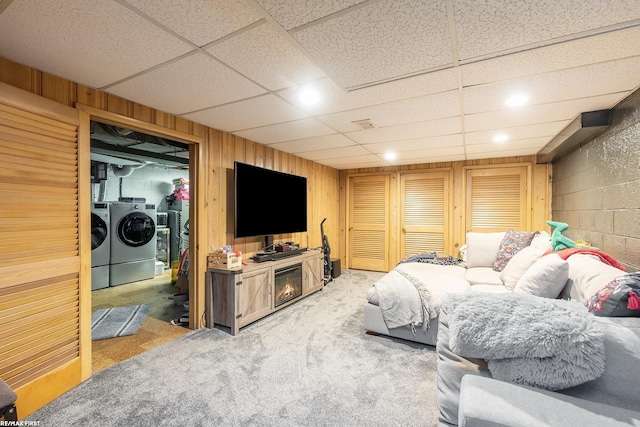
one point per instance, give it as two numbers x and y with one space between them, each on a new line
287 292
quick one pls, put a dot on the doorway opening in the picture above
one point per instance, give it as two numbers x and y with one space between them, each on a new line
140 236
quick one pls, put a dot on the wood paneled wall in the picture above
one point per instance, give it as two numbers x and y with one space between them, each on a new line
322 188
539 197
214 152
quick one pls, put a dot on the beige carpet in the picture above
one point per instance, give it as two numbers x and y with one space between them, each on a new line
154 331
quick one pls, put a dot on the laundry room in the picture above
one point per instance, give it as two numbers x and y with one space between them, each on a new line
140 236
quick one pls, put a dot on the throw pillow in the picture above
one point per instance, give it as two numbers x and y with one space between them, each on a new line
545 278
520 263
512 242
619 298
482 248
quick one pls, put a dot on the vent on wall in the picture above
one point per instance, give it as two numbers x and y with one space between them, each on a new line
581 129
364 124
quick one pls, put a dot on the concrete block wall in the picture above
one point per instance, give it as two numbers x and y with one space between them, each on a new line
596 189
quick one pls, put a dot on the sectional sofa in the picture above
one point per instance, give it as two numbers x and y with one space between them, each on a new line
475 273
612 398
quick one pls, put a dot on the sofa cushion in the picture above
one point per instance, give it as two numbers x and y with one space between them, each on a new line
518 264
512 242
545 278
619 298
495 289
587 275
450 370
620 382
532 407
483 276
542 240
482 248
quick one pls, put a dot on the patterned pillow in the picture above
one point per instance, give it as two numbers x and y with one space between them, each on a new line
619 298
512 242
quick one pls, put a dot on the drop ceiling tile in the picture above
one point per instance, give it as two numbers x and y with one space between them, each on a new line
447 126
575 53
355 164
541 130
313 144
335 153
563 110
440 105
416 144
531 145
299 129
499 154
592 80
267 57
191 83
435 159
336 99
526 23
250 113
88 42
382 40
432 152
199 21
294 13
336 161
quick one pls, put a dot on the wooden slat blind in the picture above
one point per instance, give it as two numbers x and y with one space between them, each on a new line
39 249
369 222
496 199
424 212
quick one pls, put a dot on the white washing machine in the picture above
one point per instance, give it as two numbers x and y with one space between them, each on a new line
100 245
133 242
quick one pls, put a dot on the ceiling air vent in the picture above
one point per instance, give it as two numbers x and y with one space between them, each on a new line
364 124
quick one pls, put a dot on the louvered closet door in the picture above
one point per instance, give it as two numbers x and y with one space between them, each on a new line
424 207
39 249
497 199
369 222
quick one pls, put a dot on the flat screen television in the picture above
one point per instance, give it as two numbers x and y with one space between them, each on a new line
268 202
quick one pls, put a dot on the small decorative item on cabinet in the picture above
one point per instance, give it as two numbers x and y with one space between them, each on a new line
225 257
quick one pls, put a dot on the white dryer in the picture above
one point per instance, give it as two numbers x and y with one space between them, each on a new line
133 242
100 245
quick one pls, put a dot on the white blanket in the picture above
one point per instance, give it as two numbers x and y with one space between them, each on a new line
404 301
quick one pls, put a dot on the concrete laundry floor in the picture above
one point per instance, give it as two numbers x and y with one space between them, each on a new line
154 331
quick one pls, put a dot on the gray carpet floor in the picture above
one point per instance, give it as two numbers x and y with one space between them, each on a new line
309 364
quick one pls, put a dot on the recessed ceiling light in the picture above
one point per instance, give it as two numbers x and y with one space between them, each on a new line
309 96
500 137
390 155
517 100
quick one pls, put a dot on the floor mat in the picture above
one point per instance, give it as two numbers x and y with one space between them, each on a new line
117 322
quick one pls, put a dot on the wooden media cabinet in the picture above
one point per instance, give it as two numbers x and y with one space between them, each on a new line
239 296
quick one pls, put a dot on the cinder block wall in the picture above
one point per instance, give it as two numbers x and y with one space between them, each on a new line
596 189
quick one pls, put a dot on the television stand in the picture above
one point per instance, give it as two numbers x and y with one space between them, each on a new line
239 296
271 256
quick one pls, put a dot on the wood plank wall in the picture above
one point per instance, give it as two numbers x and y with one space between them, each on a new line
539 197
218 152
322 189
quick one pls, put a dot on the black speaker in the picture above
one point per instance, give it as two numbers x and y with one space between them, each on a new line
335 267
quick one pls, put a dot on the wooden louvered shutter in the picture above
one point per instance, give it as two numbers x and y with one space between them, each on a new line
369 222
424 207
40 267
497 199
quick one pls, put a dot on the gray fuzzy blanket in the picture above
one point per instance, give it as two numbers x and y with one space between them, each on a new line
540 342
